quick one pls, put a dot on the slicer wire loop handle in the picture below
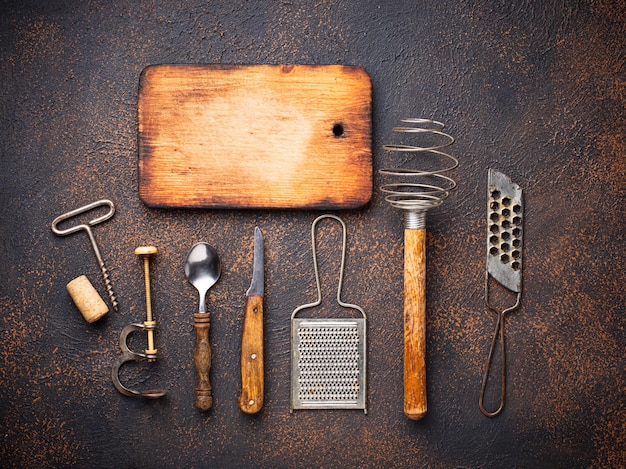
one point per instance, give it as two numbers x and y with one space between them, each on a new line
498 331
317 275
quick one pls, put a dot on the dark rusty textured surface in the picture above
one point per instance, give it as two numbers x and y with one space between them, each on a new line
534 89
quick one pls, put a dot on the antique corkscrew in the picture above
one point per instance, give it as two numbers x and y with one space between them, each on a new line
87 227
149 325
415 192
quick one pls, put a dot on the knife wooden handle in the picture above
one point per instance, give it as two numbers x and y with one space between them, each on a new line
252 379
415 323
202 360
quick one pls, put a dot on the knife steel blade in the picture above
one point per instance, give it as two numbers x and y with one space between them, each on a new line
258 276
252 376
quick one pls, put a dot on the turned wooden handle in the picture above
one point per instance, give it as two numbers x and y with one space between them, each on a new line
415 323
202 360
252 379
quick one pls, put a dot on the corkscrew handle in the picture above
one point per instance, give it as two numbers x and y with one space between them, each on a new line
415 323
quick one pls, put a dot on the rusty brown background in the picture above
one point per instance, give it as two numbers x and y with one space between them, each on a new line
534 89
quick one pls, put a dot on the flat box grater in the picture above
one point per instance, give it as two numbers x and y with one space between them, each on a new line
504 238
328 355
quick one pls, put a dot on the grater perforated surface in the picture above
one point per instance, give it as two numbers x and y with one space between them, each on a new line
328 366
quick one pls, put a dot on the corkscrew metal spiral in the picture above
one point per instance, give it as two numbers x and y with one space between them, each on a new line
415 191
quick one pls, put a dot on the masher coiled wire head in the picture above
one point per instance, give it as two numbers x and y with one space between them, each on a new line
416 190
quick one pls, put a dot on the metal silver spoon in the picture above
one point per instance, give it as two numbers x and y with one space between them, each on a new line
202 270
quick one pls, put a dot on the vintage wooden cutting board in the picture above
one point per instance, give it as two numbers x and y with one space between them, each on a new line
255 136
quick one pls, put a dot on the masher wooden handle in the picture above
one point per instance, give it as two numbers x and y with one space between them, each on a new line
252 379
415 323
202 360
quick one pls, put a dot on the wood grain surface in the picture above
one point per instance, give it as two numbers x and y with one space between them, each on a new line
252 361
255 136
415 400
533 89
202 357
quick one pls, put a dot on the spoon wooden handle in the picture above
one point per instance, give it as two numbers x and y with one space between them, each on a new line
415 323
202 360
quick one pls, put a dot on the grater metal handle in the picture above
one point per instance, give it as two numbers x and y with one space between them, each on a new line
415 323
317 275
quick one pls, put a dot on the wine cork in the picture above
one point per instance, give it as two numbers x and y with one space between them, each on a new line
87 299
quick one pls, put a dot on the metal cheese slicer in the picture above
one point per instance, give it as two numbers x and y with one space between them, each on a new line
328 355
504 264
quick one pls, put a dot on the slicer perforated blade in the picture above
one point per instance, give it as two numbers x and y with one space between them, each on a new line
504 243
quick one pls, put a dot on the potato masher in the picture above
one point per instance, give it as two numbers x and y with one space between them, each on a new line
419 184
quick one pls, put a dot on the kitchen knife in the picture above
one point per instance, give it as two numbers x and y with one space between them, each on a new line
252 379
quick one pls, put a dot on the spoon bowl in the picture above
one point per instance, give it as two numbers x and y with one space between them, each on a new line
203 270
